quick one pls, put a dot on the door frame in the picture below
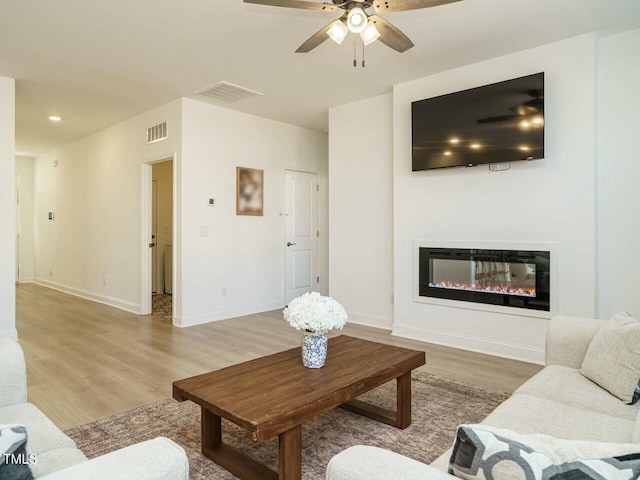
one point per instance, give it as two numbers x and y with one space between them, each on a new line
146 176
18 237
284 231
154 185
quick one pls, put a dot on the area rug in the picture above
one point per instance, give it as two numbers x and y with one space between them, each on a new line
439 406
162 305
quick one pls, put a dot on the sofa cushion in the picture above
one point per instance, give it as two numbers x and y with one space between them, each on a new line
58 459
365 463
508 416
482 452
43 434
566 385
528 414
613 358
442 462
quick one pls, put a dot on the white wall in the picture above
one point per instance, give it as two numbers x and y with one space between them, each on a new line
619 173
24 185
551 200
92 248
361 206
244 254
7 209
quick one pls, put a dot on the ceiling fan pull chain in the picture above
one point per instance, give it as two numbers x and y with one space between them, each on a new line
355 62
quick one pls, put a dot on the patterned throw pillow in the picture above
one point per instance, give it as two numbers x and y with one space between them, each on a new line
485 453
13 453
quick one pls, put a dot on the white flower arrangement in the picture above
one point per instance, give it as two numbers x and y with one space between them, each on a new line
314 313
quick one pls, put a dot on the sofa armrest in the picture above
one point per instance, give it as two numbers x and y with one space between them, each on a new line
372 463
13 374
157 459
568 339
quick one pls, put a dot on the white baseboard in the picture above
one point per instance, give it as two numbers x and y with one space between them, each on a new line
368 320
220 315
487 346
9 334
94 297
26 280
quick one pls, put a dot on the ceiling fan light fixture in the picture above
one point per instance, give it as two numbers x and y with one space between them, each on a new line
357 20
338 31
370 34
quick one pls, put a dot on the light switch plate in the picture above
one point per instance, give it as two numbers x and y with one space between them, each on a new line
204 230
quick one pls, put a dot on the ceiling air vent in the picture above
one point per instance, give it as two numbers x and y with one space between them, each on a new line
157 133
226 92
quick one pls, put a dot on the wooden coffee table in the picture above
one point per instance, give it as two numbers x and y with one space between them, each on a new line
274 395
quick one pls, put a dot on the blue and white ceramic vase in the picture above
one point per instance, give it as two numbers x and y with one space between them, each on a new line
314 349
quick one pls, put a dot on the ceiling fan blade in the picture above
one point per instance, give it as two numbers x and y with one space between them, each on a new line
383 6
391 35
315 40
296 4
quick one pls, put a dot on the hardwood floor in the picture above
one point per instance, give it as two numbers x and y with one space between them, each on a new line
87 361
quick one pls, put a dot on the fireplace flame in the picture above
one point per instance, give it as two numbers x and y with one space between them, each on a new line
518 292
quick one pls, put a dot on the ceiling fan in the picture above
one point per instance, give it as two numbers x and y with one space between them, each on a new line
356 20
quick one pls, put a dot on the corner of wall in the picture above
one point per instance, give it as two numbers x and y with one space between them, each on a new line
8 207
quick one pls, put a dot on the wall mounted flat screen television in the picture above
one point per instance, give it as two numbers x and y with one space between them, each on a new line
502 122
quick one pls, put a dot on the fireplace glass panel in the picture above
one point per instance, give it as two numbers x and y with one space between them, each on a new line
488 276
513 278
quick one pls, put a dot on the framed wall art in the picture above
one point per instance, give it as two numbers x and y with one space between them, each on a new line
249 191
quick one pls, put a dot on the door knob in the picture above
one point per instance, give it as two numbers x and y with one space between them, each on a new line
289 244
153 244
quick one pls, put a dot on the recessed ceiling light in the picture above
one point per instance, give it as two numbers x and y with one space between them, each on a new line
54 118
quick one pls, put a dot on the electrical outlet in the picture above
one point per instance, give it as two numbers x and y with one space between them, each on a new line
104 280
51 271
224 291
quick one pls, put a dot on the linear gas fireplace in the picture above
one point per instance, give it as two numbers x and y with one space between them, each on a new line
510 278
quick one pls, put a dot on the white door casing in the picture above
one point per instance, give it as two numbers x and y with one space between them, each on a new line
17 236
154 237
301 234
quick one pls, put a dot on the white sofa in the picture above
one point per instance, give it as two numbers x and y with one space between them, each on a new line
58 457
558 401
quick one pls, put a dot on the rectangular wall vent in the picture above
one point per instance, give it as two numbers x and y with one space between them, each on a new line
157 133
226 92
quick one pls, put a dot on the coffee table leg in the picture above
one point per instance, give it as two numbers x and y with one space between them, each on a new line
290 454
211 430
403 415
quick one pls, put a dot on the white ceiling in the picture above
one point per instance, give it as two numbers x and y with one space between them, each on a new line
96 63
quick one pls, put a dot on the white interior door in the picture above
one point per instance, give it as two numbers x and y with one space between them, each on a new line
154 237
17 236
301 237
